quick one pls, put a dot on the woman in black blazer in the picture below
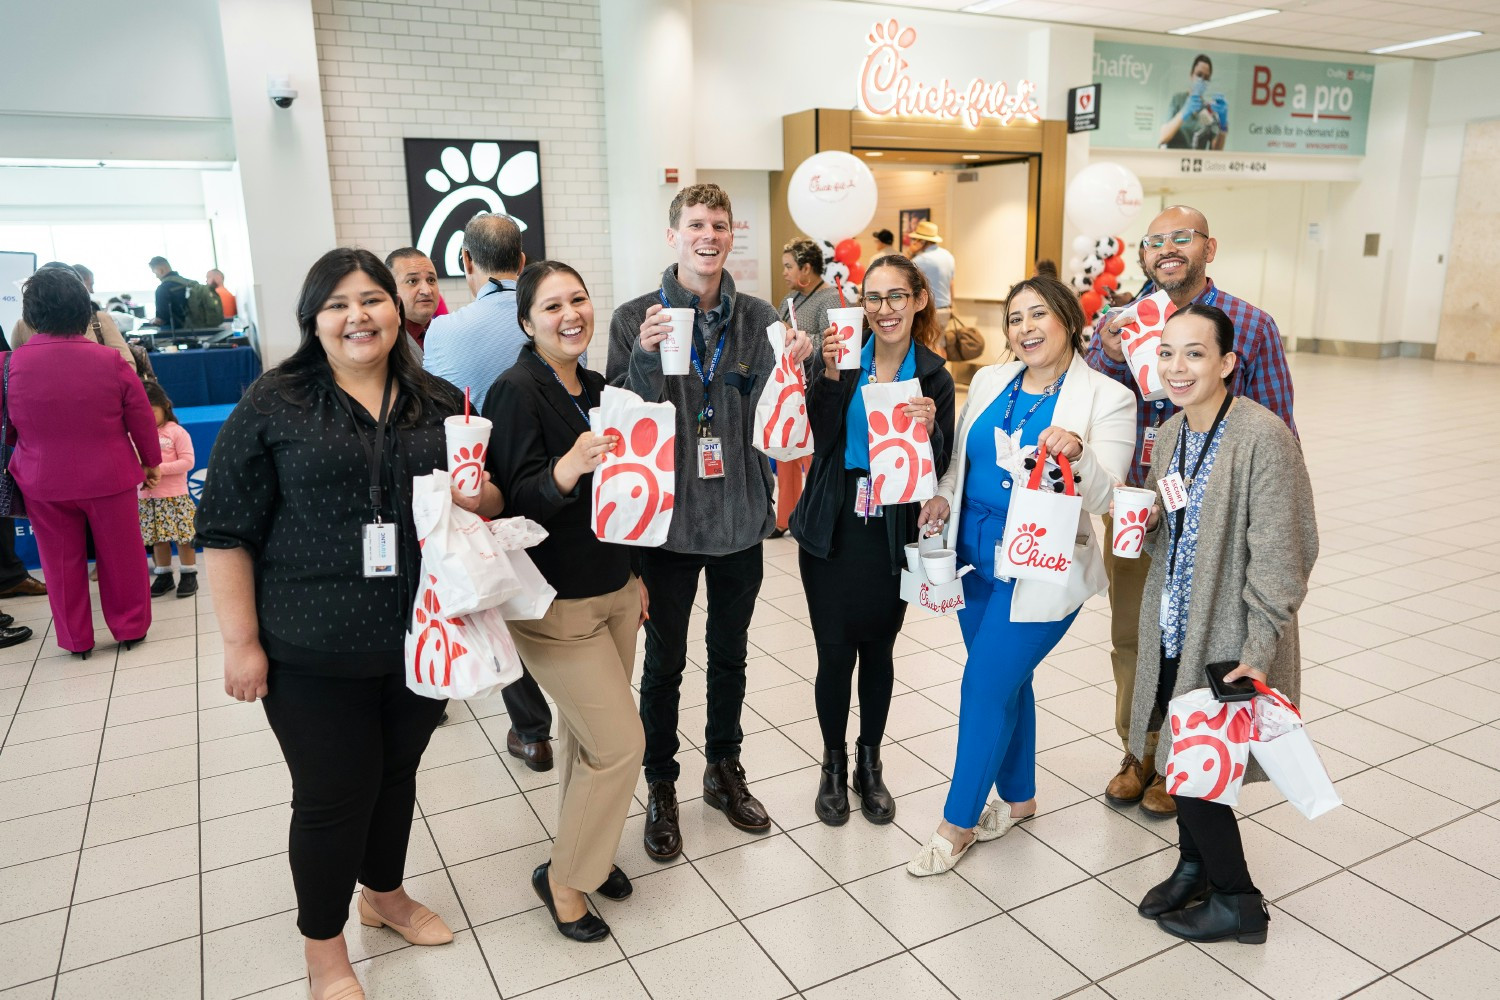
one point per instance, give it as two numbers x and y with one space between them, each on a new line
851 563
582 651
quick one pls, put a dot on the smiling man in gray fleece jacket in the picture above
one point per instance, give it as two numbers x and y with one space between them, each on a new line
722 510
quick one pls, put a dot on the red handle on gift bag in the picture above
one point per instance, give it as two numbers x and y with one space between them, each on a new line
1035 483
1262 688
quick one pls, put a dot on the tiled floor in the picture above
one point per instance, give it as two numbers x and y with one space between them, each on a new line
143 815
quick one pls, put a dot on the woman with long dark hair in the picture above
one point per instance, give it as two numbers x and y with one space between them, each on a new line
851 558
312 471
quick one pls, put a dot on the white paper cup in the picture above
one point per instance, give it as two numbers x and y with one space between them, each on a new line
1132 509
468 445
914 558
596 421
851 318
941 566
677 347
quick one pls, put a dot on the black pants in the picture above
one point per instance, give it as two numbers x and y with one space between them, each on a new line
12 570
353 746
857 613
1206 831
672 581
529 715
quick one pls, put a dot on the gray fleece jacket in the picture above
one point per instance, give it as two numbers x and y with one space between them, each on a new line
710 516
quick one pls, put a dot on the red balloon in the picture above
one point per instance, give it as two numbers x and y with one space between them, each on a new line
1106 283
1114 265
1091 302
847 252
856 272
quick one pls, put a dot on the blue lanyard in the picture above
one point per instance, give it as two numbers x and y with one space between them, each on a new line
570 396
1015 392
706 415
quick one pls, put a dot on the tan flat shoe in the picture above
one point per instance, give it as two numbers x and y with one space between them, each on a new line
996 821
425 928
344 989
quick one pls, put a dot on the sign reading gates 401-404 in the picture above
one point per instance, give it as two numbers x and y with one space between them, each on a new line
449 181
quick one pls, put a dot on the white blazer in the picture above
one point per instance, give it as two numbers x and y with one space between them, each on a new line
1097 409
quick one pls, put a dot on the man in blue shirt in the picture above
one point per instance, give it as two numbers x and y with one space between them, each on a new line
471 348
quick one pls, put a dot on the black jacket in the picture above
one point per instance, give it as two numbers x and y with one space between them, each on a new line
536 422
817 512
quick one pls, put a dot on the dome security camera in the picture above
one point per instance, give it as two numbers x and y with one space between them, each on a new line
279 89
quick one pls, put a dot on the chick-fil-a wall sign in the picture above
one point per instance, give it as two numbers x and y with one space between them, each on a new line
887 87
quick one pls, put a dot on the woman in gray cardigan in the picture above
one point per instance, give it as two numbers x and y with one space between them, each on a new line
1227 578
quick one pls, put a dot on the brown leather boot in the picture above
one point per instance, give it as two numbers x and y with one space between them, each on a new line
1127 787
1156 801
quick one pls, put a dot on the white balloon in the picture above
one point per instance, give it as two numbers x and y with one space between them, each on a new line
1103 198
1075 264
1083 245
831 196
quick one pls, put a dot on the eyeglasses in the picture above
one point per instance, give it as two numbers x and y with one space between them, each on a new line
1179 238
898 301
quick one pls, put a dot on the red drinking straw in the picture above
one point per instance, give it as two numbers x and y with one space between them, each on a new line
838 286
466 404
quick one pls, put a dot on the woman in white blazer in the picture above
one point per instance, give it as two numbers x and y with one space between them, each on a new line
1048 397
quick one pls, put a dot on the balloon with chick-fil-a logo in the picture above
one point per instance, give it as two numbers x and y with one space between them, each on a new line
887 88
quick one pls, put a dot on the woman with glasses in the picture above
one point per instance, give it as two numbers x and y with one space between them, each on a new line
1050 399
852 552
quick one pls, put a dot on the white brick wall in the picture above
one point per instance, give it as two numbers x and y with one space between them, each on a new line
466 69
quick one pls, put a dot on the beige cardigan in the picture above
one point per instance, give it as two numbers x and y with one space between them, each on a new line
107 329
1257 542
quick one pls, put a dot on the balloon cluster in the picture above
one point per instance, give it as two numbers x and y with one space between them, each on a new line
832 195
842 269
1095 270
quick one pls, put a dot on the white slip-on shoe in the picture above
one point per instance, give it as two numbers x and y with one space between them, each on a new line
996 821
937 857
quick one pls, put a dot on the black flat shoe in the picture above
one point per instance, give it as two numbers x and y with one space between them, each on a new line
586 928
13 636
83 654
6 621
1242 916
1187 884
617 886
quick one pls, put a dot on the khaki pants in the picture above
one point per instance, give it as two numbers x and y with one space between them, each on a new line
582 653
1127 581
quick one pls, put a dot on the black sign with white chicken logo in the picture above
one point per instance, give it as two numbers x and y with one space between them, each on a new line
449 181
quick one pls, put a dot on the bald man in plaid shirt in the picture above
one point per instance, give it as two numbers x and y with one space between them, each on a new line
1175 255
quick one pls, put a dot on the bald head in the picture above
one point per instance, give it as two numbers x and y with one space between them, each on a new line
1179 217
1179 265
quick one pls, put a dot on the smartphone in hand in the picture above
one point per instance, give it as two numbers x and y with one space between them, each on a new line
1239 690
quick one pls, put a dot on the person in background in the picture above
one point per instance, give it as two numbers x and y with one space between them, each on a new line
1048 399
79 475
167 512
936 264
812 297
171 296
1196 119
102 329
215 280
416 280
1175 257
1249 526
470 349
15 581
722 507
885 242
543 456
286 504
851 558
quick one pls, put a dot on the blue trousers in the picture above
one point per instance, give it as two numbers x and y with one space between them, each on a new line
997 710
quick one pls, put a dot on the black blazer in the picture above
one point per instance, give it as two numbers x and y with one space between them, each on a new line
536 422
817 511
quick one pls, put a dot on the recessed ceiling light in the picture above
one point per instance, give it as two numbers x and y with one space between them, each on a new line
1426 41
984 6
1221 22
873 152
971 156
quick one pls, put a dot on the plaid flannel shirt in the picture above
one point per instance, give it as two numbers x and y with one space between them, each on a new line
1261 374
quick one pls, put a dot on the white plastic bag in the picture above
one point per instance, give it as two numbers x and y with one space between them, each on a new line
1286 753
901 465
451 656
534 595
469 572
782 428
1210 747
633 486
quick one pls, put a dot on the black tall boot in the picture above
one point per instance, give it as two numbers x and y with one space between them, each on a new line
832 804
1242 916
874 800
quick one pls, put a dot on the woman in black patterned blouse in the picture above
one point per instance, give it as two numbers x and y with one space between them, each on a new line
301 470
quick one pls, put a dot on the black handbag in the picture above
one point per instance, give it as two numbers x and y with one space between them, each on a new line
12 504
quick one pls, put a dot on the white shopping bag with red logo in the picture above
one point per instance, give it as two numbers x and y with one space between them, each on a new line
457 656
1140 338
513 536
1041 527
634 485
901 464
469 572
1282 748
1210 747
782 429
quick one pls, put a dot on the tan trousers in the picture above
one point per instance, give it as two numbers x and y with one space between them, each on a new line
1127 581
582 653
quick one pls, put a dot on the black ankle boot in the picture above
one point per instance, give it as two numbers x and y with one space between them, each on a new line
1187 884
1242 916
832 804
874 800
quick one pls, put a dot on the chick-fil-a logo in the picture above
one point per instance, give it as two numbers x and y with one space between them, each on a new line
886 88
954 603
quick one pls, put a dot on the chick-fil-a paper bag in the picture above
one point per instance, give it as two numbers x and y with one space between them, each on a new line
782 429
901 467
634 485
1140 338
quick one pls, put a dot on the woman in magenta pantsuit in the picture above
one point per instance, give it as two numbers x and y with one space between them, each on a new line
85 440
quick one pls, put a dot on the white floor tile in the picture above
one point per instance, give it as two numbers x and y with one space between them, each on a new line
1389 932
797 935
1464 969
723 962
1015 964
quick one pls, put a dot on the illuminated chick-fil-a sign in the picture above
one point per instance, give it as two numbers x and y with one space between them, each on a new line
887 88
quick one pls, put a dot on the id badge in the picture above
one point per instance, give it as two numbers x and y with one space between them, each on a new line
1173 493
710 458
380 549
864 499
1148 445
